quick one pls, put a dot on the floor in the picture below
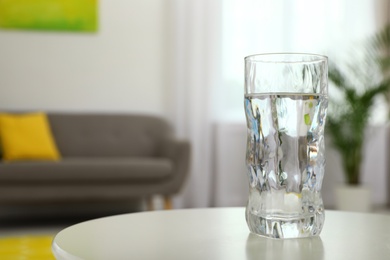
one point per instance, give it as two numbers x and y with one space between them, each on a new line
49 220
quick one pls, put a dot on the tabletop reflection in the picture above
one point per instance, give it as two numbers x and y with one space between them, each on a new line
258 247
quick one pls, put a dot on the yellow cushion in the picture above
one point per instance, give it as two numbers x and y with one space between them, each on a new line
27 137
26 247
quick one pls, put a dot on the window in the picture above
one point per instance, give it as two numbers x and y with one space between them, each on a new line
329 27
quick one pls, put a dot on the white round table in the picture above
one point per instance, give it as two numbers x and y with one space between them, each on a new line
219 233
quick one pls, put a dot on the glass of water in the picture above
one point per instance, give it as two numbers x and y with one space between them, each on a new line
286 99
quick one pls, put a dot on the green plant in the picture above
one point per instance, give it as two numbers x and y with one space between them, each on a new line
359 83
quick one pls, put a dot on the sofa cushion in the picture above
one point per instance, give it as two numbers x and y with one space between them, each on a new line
108 135
80 170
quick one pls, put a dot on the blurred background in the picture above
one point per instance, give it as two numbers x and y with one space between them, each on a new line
184 61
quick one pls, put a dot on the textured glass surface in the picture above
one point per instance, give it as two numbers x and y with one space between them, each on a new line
285 146
292 73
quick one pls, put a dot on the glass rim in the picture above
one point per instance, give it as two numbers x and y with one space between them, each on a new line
258 57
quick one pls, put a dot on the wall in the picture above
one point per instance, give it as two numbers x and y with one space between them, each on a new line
119 68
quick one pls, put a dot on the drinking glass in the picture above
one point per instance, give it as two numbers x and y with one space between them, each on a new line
286 99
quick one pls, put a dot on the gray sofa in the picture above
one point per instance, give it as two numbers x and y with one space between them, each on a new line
105 157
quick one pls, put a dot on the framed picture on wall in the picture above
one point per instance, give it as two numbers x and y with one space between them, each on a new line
53 15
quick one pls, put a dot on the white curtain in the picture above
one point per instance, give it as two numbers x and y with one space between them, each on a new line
194 43
207 42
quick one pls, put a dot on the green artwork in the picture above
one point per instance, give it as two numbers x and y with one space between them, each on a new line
56 15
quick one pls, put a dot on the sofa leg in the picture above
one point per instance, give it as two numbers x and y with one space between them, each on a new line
168 202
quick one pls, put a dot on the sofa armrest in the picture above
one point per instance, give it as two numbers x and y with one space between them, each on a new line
179 152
